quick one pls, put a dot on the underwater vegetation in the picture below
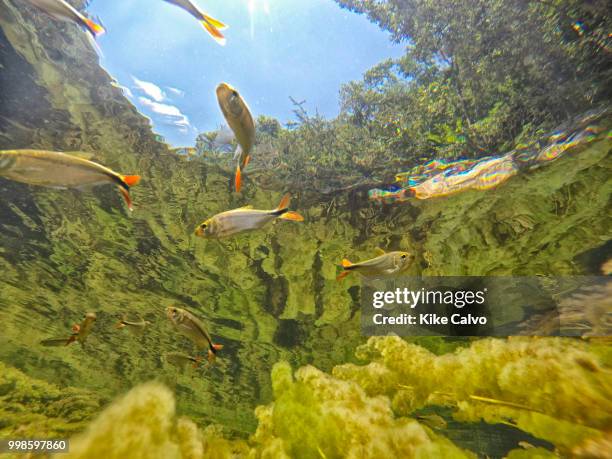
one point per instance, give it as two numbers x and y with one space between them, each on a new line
295 377
370 409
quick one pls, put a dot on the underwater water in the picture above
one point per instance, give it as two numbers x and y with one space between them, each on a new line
295 376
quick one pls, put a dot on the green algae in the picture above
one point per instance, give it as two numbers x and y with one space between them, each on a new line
34 408
557 389
313 416
347 414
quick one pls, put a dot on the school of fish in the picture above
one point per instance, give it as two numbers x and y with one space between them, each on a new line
80 171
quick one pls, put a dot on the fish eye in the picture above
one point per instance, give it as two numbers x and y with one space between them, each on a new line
203 225
235 93
403 257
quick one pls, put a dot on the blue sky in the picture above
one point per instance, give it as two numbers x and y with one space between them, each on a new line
275 49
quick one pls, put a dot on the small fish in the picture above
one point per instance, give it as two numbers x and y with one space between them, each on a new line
60 170
80 332
191 327
245 219
213 26
240 120
135 327
385 264
180 360
61 10
433 420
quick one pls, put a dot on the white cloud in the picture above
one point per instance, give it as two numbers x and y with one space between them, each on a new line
176 117
150 89
176 91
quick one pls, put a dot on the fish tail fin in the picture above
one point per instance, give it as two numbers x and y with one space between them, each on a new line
212 351
215 22
283 205
93 28
214 32
131 180
72 339
246 161
293 216
238 179
346 263
121 323
282 212
128 181
126 196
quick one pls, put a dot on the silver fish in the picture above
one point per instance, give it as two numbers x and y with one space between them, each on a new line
237 114
213 26
59 9
191 327
180 360
245 219
386 264
60 170
80 332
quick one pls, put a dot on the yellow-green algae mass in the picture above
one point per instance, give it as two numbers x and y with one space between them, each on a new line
556 389
31 408
314 415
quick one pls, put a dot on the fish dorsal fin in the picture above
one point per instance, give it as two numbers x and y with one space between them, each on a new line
379 251
245 207
80 154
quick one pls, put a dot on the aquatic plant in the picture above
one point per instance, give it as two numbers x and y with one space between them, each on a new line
368 411
556 389
314 415
31 408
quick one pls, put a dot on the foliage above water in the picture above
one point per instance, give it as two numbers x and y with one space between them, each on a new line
478 78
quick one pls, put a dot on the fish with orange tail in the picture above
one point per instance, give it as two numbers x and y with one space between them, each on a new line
190 326
180 360
384 265
80 332
213 26
245 219
60 170
63 11
238 116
